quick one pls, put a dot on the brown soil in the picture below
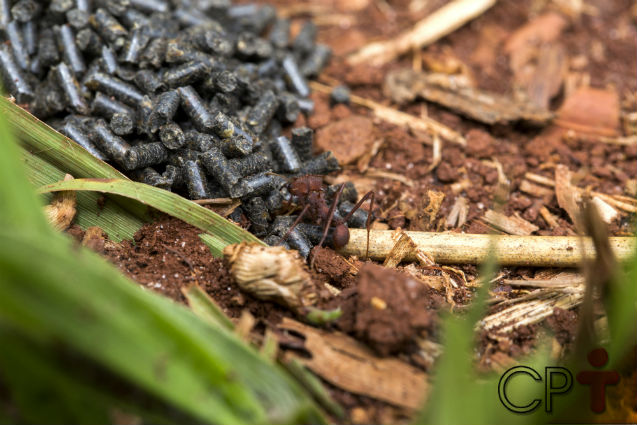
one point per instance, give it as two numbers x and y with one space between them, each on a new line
381 307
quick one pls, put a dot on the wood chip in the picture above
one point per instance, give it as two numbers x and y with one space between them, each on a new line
347 364
535 190
458 215
435 26
514 225
606 212
62 209
567 195
432 208
403 247
550 219
479 105
548 76
591 111
382 174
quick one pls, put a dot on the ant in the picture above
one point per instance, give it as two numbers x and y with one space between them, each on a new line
309 192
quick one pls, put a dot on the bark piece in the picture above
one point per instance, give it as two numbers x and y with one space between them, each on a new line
514 225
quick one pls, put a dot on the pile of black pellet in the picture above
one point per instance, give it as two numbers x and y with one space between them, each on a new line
189 96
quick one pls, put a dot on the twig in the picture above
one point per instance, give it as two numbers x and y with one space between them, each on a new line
396 117
509 250
214 201
435 26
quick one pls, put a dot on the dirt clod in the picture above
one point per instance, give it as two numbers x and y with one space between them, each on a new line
388 309
348 138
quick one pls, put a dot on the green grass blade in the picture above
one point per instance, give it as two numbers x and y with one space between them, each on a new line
19 207
215 244
167 202
58 149
75 297
117 222
206 308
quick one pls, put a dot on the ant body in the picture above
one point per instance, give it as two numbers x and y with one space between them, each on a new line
308 191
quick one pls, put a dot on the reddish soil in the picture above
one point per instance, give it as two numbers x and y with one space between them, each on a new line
600 44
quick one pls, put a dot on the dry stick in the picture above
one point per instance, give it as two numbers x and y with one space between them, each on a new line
510 250
435 26
396 117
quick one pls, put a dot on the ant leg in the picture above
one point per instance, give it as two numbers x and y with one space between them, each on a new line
368 224
330 214
297 221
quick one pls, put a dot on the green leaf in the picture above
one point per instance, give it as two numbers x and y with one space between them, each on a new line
116 221
206 308
167 202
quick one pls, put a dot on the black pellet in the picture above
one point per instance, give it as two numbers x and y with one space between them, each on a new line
323 164
185 74
150 6
13 77
60 7
117 7
255 185
74 130
273 240
295 239
109 60
212 39
316 61
172 136
223 81
195 181
274 202
112 145
122 124
288 110
348 194
196 109
135 45
164 109
340 94
30 35
236 146
148 81
314 232
5 13
268 68
77 18
280 33
155 52
25 10
70 51
173 176
226 103
13 32
150 176
258 215
306 105
83 5
115 87
220 169
226 128
48 99
296 81
87 41
106 107
145 155
109 28
358 219
249 46
261 114
201 142
251 164
305 39
143 114
71 88
285 154
302 139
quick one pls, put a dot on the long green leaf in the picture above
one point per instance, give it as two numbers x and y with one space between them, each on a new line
164 201
117 222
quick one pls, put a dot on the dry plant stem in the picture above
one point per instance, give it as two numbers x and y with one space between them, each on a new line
435 26
396 117
457 248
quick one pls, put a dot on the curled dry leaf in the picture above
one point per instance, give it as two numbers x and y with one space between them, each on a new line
271 273
61 211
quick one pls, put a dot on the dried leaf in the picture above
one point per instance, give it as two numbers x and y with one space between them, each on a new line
479 105
458 215
271 273
347 364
